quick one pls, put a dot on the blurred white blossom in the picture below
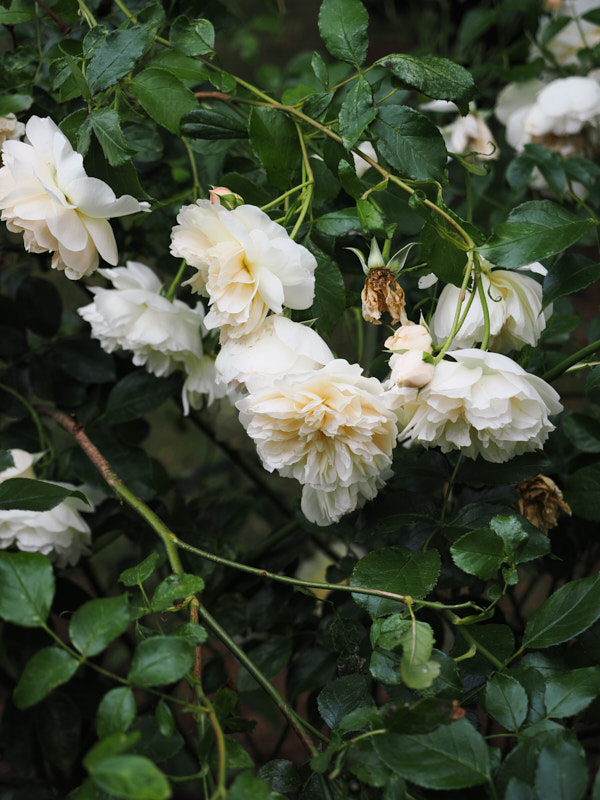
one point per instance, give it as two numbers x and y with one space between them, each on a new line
465 135
60 533
577 33
331 429
10 128
360 164
247 265
514 303
480 403
46 195
163 336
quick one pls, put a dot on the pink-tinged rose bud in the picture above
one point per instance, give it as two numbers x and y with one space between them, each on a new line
221 195
410 337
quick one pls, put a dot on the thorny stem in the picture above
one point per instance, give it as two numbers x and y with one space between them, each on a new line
558 370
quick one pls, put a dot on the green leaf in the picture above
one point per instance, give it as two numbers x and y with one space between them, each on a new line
18 11
116 57
50 667
443 257
319 67
357 111
107 127
534 230
164 719
506 700
141 572
13 103
372 221
436 77
274 139
512 533
112 745
175 587
27 582
479 552
330 293
343 27
28 494
39 306
84 360
182 66
583 431
571 692
208 123
498 639
342 696
411 143
193 633
565 614
452 757
562 772
344 222
247 787
194 38
582 492
417 667
96 623
136 394
163 97
398 570
271 657
570 274
131 777
6 460
116 712
160 659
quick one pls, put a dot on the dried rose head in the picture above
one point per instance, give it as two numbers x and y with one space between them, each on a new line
541 501
381 293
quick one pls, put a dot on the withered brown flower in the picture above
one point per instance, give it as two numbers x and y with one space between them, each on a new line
541 501
381 293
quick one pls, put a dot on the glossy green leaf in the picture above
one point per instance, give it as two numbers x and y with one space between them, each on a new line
28 494
571 692
571 273
193 633
164 719
479 552
116 56
107 127
131 777
13 103
397 570
247 787
344 222
138 393
444 258
116 712
582 492
27 582
357 111
583 431
452 757
565 614
159 660
506 700
436 77
512 533
330 293
561 772
343 27
18 11
175 587
499 640
141 572
193 37
339 698
96 623
534 230
210 123
50 667
274 139
411 143
163 97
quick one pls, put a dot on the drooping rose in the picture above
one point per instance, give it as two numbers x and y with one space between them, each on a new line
541 501
247 265
60 533
331 429
514 303
480 403
46 194
163 336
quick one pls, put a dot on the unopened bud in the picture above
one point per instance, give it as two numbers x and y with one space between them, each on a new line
221 195
410 337
409 369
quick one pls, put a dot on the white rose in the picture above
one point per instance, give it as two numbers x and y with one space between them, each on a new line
468 134
247 265
360 164
279 347
162 335
514 303
61 533
480 403
576 34
331 429
10 128
46 194
202 384
409 369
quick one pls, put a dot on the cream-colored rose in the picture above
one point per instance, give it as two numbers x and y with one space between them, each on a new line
575 35
10 128
409 369
60 533
46 195
247 265
410 337
514 303
480 403
331 429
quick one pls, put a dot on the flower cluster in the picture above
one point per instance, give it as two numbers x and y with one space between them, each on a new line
575 35
46 195
60 533
469 135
